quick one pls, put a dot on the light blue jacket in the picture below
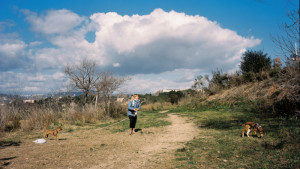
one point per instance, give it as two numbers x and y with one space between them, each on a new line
130 107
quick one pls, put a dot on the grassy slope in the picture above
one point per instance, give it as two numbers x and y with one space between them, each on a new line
220 145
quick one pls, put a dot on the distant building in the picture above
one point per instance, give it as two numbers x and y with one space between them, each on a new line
166 91
121 99
157 93
176 90
28 101
58 98
199 90
169 90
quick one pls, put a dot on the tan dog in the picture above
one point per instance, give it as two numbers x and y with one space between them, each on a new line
254 126
52 132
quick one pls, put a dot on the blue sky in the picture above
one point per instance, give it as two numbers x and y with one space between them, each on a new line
160 44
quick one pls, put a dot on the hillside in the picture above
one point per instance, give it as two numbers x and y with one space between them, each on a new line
267 97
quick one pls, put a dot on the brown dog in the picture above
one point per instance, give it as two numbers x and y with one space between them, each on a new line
254 126
52 132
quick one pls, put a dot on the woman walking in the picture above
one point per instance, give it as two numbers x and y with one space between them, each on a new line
133 106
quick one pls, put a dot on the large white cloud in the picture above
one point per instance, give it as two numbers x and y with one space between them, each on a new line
165 41
155 43
158 50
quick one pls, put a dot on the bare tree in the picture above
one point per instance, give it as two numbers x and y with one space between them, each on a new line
290 36
107 84
83 76
199 82
289 42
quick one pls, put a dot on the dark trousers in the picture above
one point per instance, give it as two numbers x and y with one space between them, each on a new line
132 121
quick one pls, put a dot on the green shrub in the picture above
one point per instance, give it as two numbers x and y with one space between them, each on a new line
255 61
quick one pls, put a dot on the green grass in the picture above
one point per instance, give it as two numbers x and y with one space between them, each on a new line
220 145
70 130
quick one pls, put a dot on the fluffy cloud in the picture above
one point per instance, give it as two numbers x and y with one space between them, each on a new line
53 21
165 41
155 43
25 83
65 31
158 50
12 54
150 83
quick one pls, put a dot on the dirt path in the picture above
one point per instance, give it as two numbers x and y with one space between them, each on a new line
155 149
152 148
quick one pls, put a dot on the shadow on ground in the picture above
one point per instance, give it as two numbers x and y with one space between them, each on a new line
137 130
223 124
4 162
4 144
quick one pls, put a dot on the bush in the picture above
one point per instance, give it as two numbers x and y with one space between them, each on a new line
3 117
255 61
117 110
175 96
83 114
285 108
263 75
213 89
248 77
44 113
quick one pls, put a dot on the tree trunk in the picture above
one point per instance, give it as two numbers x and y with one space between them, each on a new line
96 101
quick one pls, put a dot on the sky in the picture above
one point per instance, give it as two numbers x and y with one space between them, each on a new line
159 44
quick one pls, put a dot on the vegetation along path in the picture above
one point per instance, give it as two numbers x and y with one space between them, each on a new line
150 148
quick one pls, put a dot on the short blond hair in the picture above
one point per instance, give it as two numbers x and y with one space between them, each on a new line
133 96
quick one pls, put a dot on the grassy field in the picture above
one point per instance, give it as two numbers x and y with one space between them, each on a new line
220 144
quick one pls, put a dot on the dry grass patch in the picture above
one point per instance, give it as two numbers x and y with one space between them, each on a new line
93 146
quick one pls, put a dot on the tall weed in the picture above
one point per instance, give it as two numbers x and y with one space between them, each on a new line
27 117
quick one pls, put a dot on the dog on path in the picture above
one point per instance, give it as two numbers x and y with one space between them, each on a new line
252 125
52 132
